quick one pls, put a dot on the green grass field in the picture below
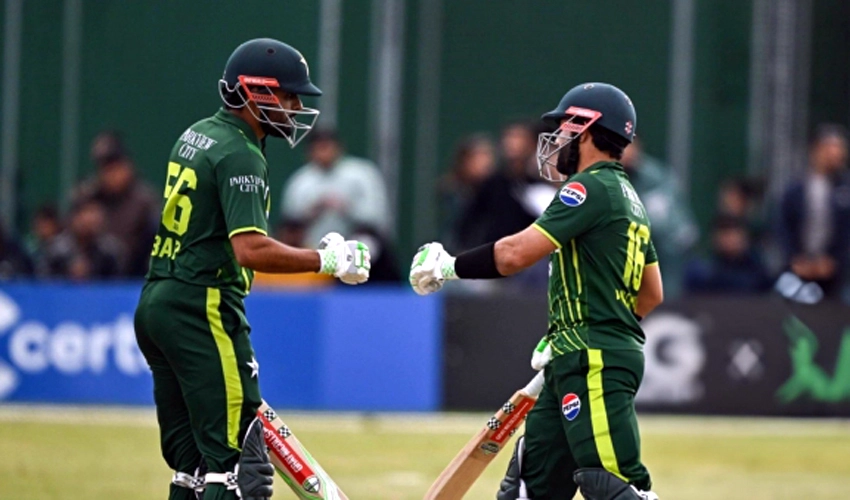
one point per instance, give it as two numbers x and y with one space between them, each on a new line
71 454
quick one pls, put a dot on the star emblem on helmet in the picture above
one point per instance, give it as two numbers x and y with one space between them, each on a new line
629 126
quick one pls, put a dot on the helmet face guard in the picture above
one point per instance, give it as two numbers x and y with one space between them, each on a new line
550 144
292 125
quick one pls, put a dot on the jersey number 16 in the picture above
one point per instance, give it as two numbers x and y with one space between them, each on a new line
635 258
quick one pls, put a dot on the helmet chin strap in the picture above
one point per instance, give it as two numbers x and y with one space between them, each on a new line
567 163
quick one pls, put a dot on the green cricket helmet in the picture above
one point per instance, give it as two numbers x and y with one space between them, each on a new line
252 72
584 105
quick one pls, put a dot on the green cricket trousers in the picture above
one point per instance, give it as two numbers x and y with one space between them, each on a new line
584 417
196 342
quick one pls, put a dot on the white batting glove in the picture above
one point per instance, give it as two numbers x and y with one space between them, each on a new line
349 261
431 266
542 354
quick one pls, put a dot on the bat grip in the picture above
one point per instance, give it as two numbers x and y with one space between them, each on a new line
535 386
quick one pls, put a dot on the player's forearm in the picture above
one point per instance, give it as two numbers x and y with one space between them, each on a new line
493 260
267 255
509 259
651 293
506 257
645 306
478 263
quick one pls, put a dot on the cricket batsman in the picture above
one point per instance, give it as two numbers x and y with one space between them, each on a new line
190 321
603 278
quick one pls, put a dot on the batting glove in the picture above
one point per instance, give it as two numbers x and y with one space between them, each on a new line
542 354
349 261
431 266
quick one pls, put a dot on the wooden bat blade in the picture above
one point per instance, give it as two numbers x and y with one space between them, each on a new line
293 462
462 471
467 466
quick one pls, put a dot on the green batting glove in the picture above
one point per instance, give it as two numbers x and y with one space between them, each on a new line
542 354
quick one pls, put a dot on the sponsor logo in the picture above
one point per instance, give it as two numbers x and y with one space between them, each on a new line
311 485
506 427
295 467
494 423
675 358
197 139
490 448
259 80
70 348
808 379
573 194
249 184
583 112
570 406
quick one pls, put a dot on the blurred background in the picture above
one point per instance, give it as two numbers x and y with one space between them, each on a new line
741 161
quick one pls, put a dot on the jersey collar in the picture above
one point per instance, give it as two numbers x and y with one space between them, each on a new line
231 119
605 164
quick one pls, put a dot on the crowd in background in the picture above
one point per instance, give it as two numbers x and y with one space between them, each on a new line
490 189
106 234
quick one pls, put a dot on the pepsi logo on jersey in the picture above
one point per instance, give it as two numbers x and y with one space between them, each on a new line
573 194
571 406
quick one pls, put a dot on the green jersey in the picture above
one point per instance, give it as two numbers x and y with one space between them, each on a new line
602 235
217 186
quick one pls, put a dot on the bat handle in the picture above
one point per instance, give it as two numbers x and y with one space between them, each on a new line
535 386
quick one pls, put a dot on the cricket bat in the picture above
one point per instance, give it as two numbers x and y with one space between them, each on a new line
293 462
461 473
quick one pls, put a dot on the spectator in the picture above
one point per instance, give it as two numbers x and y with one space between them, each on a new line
131 209
14 261
733 199
46 226
334 191
83 251
473 163
512 198
734 266
674 231
814 219
742 198
507 202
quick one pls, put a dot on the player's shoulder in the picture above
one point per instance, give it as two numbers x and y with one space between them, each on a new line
233 144
583 187
205 138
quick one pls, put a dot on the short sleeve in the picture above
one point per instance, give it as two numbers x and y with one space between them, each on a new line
651 256
243 191
578 207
